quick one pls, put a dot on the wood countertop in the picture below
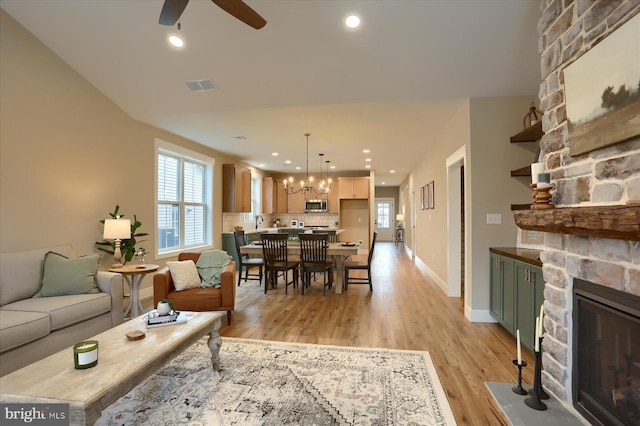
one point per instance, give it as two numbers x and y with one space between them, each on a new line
530 256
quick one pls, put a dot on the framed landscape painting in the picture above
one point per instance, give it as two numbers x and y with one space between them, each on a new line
602 90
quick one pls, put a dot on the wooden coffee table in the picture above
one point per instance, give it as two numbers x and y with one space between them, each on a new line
122 364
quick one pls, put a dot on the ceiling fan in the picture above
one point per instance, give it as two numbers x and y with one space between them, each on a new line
172 9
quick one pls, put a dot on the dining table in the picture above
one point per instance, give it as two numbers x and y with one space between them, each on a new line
338 251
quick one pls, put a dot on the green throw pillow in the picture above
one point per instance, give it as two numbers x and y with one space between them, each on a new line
62 276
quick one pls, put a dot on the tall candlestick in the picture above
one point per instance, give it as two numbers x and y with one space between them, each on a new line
519 348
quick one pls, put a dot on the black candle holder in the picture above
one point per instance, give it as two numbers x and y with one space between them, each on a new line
534 400
518 389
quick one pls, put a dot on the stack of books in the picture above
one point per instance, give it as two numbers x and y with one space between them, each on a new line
154 319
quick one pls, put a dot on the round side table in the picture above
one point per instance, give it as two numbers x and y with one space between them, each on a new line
133 275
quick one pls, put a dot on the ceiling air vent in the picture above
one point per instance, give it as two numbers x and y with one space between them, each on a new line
201 85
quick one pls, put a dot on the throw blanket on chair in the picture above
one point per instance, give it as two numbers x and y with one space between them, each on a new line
210 264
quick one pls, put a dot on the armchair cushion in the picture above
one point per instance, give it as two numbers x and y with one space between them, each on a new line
184 274
63 276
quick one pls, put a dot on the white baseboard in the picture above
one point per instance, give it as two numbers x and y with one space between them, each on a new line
431 274
478 315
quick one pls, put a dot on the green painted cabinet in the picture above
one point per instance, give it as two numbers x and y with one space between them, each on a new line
517 292
530 291
503 291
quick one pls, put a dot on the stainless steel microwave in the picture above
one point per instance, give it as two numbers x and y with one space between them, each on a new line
315 206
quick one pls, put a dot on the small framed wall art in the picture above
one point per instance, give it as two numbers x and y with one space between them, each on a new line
431 195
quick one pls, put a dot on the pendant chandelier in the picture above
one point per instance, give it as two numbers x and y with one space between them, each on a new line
308 185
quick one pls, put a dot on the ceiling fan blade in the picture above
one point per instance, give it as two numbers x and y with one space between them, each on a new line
171 11
242 11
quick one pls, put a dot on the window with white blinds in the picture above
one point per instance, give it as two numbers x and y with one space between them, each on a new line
183 199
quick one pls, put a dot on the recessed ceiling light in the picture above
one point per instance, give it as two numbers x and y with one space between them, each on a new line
366 151
176 41
392 171
287 162
261 165
367 159
368 166
352 21
384 183
298 167
332 167
275 154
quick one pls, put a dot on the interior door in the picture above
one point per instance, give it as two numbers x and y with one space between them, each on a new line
385 219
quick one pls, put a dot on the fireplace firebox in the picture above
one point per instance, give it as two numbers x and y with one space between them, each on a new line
606 354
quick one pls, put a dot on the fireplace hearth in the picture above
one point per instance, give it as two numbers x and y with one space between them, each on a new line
606 354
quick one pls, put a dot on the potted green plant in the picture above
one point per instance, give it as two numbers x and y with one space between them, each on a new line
164 307
128 246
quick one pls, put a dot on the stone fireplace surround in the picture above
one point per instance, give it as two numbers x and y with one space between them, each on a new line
605 177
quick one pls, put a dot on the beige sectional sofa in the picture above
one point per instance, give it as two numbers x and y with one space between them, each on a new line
33 328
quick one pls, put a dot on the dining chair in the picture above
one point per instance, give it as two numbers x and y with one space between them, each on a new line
333 236
247 262
354 266
313 258
276 258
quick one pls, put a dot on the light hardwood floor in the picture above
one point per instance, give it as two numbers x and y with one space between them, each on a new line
406 310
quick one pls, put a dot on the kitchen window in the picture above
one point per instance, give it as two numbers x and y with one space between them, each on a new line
256 188
184 199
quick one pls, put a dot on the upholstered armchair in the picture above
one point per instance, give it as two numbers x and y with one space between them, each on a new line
197 299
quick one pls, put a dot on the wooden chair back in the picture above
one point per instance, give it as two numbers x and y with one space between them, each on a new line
274 247
313 248
240 241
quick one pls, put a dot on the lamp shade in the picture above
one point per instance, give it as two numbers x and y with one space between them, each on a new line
399 217
117 229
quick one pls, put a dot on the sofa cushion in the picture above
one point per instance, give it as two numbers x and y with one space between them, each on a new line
21 272
65 310
184 274
18 328
62 276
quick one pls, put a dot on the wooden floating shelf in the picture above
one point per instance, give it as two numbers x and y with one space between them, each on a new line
524 171
520 207
617 222
530 134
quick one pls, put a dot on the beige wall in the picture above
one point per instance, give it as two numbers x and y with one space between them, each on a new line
484 126
68 155
493 190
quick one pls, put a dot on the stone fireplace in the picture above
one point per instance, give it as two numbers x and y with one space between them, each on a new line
586 185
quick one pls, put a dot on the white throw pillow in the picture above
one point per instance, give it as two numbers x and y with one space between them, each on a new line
184 274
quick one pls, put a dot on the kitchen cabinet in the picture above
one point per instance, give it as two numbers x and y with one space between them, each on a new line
354 188
268 195
236 191
295 203
517 290
280 198
333 200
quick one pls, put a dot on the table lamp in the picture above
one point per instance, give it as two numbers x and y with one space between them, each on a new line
400 219
117 229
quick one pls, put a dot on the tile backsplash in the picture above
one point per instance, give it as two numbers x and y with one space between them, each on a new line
231 220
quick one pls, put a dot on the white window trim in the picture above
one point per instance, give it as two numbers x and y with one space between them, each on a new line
169 148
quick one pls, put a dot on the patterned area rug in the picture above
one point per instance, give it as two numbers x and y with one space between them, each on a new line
273 383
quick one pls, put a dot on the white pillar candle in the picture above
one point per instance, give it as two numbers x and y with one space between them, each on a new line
536 343
536 169
519 348
541 332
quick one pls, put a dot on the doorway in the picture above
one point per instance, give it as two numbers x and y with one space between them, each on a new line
384 220
458 242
